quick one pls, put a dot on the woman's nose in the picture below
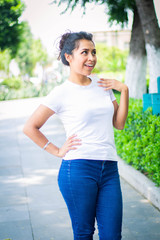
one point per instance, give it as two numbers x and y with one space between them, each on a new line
91 56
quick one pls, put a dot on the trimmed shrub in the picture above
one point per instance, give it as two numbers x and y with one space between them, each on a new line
13 83
139 142
28 90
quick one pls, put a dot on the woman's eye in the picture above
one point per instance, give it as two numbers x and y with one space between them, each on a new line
94 52
84 52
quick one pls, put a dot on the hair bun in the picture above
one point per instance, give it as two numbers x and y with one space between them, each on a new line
63 39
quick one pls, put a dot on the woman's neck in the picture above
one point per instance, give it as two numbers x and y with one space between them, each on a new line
79 79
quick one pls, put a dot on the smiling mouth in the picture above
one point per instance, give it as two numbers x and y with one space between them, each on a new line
89 65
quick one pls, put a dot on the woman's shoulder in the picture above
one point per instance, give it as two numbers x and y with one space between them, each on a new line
109 92
54 99
58 89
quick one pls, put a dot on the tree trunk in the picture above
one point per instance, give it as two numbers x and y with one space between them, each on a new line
137 60
151 32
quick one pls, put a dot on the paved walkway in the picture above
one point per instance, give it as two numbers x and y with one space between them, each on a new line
31 206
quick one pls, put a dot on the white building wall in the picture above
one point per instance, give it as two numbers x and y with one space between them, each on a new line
117 38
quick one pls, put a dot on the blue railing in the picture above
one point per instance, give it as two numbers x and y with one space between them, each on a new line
152 100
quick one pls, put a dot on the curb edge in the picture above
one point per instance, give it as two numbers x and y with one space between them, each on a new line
140 182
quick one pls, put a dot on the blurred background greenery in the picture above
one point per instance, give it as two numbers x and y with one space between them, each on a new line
26 69
111 63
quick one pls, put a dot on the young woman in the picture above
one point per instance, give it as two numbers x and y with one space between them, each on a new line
88 178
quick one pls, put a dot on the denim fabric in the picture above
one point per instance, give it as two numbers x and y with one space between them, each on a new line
91 190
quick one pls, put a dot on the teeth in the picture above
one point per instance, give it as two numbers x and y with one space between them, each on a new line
89 65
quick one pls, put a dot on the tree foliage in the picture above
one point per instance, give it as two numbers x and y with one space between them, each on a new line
31 51
5 59
116 9
23 56
39 53
10 26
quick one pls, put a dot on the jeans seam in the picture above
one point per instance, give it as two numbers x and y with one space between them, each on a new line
70 184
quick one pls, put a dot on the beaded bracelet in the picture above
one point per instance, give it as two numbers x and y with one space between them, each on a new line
46 145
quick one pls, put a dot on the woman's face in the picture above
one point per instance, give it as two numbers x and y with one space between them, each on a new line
83 59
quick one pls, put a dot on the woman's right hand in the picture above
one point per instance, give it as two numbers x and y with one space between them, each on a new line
70 144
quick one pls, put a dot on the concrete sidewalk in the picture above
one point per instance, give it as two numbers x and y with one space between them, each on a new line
31 206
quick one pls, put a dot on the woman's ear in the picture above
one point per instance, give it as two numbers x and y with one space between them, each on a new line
68 57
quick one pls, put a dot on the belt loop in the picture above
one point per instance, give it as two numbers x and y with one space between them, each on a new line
103 165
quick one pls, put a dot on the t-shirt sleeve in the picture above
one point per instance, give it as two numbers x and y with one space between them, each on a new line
52 100
112 95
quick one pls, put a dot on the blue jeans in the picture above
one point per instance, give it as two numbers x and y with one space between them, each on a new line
91 190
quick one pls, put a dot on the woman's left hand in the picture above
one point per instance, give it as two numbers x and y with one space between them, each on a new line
111 84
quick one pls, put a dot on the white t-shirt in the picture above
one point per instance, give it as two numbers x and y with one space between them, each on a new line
88 112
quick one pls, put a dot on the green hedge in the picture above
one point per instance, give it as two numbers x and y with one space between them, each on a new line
139 142
13 82
28 90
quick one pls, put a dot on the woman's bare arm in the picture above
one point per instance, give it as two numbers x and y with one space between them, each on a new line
121 110
32 130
